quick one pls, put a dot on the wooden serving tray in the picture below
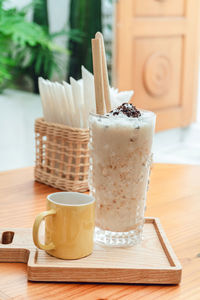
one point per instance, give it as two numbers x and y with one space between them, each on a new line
151 261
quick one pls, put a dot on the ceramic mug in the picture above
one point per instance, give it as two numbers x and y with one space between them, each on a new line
69 225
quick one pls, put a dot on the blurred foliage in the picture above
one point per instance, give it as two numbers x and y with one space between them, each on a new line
40 16
85 16
27 48
40 13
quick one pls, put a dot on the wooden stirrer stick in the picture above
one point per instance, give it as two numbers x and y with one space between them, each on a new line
98 76
105 72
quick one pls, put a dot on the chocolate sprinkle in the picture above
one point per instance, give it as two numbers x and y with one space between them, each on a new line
127 109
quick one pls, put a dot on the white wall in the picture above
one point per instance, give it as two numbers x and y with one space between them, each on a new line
58 12
17 3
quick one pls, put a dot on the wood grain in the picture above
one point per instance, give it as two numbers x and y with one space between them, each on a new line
98 76
156 47
151 261
158 8
106 87
173 197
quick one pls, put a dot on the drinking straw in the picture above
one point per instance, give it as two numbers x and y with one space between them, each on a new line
43 98
69 95
98 76
86 97
76 97
54 102
61 105
83 106
106 87
88 91
49 96
66 109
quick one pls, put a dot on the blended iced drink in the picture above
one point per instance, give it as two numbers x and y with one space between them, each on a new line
120 161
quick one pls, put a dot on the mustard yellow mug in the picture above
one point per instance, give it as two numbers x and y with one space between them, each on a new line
69 225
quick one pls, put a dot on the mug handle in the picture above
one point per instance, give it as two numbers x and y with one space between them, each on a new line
36 227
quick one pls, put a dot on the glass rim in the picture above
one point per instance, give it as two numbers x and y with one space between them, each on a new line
148 115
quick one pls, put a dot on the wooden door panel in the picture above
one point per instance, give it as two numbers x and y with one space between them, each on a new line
156 55
159 8
157 71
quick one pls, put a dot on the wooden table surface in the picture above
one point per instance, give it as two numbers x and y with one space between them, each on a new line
174 197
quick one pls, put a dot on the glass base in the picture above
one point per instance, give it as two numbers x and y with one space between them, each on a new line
118 239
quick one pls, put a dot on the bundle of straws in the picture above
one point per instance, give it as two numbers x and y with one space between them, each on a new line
71 103
68 104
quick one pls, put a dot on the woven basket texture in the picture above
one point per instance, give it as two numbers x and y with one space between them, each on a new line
62 156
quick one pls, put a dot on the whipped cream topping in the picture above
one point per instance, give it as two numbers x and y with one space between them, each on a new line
127 109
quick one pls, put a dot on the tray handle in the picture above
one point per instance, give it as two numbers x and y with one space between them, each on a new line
15 244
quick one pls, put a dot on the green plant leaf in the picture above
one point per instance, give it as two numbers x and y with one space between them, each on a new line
28 48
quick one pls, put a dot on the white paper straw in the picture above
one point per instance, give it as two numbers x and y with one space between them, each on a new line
49 100
61 108
43 98
68 91
52 96
68 114
77 100
88 90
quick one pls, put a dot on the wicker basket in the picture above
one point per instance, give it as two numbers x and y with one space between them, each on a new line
62 156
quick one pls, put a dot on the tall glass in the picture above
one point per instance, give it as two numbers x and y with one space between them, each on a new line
120 160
